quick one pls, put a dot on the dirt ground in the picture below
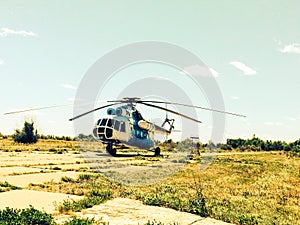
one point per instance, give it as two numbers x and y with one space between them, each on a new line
41 200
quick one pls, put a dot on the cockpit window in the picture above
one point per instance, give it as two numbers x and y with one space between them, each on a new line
99 121
109 123
122 127
117 125
103 122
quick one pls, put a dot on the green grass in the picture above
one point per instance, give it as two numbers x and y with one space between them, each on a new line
94 198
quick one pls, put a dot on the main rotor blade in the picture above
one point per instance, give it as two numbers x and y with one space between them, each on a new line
169 110
49 107
130 100
194 106
119 101
93 110
40 108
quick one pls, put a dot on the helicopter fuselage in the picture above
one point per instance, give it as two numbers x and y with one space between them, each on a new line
126 127
121 131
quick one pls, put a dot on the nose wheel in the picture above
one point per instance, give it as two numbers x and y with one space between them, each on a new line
157 151
111 150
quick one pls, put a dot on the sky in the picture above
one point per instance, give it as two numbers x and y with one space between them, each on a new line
251 47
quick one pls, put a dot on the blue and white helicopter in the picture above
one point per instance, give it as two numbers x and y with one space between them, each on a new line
126 127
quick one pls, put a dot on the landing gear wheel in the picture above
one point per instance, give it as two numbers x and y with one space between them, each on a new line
157 151
111 150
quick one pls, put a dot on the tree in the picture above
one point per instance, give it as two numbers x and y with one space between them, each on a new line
27 136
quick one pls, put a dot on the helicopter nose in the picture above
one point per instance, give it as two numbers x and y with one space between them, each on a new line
103 133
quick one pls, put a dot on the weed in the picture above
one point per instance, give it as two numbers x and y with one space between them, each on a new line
92 199
79 221
85 176
67 179
154 222
197 204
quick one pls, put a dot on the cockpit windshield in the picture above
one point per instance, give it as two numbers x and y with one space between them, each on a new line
103 122
109 123
115 124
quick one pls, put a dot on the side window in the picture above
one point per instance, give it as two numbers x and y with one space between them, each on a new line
145 134
122 127
117 125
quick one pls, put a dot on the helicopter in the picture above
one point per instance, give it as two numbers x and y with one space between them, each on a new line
126 127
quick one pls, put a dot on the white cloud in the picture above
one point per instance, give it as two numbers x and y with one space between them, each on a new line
71 99
269 123
1 62
4 32
292 48
245 121
293 118
68 86
273 124
241 66
34 113
235 97
199 70
277 41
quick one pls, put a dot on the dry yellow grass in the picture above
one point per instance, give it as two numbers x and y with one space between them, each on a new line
258 188
242 188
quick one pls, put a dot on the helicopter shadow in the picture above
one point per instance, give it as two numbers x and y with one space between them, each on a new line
127 155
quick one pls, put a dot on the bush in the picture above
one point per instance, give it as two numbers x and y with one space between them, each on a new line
27 136
29 216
